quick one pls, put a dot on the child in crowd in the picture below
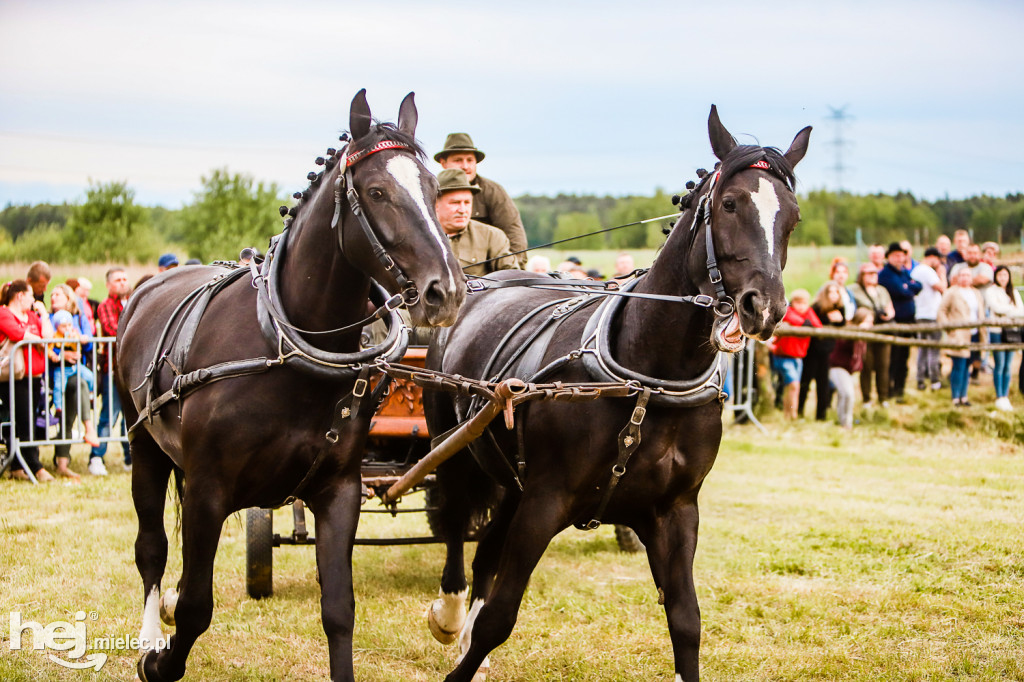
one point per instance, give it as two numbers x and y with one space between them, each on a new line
65 355
847 359
788 351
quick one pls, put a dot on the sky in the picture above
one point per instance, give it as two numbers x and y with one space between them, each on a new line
576 97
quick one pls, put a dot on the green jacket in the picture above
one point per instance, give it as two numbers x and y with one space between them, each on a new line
880 303
480 242
495 207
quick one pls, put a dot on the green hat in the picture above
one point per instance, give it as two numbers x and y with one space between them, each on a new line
452 179
459 142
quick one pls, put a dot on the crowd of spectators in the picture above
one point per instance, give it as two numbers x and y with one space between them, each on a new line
66 383
955 281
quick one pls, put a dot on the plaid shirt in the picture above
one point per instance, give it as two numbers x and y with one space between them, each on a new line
108 313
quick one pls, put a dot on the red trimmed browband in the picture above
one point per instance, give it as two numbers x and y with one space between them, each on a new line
353 159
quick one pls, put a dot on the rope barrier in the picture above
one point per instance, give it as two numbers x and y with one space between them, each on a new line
901 334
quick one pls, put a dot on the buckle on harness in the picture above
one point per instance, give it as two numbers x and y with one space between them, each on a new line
359 390
703 300
638 415
474 285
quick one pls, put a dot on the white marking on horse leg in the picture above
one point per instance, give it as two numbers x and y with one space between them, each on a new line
447 615
467 634
679 678
406 172
151 637
767 204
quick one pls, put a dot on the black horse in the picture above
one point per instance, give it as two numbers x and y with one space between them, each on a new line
585 463
257 437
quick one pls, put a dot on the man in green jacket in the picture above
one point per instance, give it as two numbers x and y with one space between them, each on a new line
492 205
472 241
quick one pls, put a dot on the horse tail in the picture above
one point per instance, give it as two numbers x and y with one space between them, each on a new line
179 495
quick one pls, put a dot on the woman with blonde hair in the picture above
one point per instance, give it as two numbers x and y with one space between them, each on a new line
960 303
875 298
1003 301
839 272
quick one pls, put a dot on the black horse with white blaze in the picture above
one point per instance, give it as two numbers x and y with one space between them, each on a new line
232 378
636 461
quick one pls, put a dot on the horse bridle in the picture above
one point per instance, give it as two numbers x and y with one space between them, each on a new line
345 185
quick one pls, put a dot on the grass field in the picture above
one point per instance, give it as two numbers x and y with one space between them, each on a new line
892 552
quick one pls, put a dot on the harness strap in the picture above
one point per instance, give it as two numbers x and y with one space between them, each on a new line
629 441
608 288
598 360
184 384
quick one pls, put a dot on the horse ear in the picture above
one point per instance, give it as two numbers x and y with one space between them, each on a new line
722 141
407 115
797 150
359 116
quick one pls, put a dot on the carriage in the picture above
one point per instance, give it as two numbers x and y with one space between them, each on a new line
398 439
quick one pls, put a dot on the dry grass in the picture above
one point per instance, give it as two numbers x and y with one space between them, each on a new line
881 554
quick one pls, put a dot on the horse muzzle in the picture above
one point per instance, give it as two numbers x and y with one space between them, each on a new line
437 304
759 313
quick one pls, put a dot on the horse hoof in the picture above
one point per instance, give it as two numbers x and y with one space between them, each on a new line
141 667
167 604
441 634
444 635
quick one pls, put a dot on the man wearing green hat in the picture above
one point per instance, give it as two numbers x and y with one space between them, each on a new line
472 241
492 205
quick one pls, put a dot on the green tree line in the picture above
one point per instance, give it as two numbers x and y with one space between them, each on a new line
232 211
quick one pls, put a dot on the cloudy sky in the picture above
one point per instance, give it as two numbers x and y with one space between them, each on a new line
586 97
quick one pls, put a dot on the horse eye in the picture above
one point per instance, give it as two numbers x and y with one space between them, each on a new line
376 194
729 204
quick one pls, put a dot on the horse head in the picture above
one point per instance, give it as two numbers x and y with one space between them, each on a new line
389 231
748 211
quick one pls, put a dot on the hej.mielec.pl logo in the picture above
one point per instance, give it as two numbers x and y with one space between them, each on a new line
71 638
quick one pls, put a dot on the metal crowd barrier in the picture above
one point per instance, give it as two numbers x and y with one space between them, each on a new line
61 432
740 380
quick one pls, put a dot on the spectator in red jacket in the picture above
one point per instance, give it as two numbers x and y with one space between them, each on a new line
788 351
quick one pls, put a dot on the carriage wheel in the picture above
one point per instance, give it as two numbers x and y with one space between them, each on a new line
477 523
259 552
628 540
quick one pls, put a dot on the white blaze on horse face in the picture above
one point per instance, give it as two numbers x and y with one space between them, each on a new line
406 172
767 204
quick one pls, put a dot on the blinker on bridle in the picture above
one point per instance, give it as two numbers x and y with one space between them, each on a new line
345 185
725 306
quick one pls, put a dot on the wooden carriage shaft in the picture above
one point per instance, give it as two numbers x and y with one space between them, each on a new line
502 399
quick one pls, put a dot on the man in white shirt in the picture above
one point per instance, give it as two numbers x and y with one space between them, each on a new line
932 276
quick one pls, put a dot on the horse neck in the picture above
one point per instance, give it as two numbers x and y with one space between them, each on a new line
664 339
319 287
